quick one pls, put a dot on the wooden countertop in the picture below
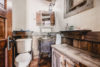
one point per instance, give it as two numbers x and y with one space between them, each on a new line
79 55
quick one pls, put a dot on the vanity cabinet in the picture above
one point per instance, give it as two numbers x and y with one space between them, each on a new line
60 60
71 57
80 48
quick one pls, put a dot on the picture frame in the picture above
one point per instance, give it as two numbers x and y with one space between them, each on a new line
73 7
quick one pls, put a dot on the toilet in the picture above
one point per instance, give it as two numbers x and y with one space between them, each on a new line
23 48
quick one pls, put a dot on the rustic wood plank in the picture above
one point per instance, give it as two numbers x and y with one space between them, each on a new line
83 45
93 36
75 34
76 43
99 49
52 18
84 40
95 48
2 28
86 58
89 46
67 41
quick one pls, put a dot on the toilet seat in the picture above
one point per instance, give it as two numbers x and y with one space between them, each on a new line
23 60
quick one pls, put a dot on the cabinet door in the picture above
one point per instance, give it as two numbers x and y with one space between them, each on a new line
55 59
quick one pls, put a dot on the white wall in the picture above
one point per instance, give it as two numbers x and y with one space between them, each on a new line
24 13
34 6
19 14
89 19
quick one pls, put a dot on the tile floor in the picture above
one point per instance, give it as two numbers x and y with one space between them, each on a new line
34 63
45 62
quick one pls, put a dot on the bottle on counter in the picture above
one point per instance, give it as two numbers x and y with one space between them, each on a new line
67 27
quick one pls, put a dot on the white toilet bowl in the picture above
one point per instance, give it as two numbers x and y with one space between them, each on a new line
23 60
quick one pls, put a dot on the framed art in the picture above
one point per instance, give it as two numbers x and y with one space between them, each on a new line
73 7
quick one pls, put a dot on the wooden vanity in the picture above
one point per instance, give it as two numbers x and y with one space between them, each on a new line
79 48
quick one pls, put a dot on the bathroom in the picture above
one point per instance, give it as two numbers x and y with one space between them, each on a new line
49 33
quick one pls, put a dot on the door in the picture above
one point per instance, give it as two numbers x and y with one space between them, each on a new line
5 31
3 42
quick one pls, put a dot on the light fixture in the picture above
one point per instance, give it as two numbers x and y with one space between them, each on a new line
51 6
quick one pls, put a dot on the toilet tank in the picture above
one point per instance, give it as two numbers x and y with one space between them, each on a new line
24 45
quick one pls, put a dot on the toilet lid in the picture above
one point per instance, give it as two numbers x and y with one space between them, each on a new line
23 57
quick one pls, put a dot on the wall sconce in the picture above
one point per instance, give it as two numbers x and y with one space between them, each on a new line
51 6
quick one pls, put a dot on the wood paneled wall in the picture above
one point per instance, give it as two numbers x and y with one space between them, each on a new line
85 40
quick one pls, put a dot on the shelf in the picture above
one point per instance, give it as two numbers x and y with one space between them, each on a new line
43 16
75 34
83 31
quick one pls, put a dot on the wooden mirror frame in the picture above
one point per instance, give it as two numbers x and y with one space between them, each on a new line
70 9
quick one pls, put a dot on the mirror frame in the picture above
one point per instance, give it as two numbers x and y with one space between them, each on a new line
70 10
